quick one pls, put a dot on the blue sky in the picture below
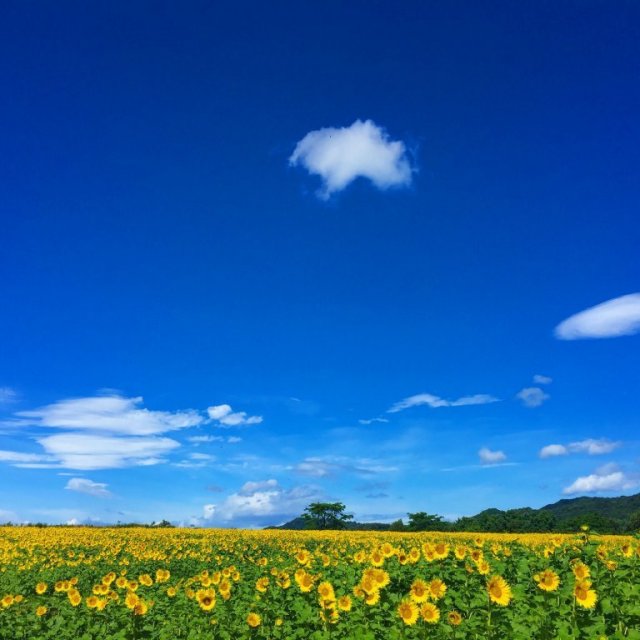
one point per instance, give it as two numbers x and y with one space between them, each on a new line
257 255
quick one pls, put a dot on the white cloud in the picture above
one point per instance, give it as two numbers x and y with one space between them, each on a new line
616 317
372 420
487 456
323 466
261 503
532 396
19 458
87 452
589 446
593 447
84 485
606 478
112 414
340 155
234 439
435 401
224 415
538 379
552 450
203 439
7 395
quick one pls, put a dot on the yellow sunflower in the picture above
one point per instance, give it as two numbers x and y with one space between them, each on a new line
548 580
254 620
408 611
499 591
585 596
429 613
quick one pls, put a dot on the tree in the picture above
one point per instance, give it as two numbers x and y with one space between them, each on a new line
326 515
421 521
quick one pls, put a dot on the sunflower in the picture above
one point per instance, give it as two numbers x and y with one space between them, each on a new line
585 596
121 582
74 597
305 582
419 591
429 613
141 608
131 600
437 589
499 591
262 584
41 611
7 601
548 580
344 603
145 579
326 592
454 618
206 599
581 571
41 587
254 620
92 602
171 592
372 598
408 611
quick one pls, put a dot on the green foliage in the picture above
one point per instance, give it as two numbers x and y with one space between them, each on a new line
326 515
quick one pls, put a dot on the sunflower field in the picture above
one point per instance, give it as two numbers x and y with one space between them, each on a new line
120 584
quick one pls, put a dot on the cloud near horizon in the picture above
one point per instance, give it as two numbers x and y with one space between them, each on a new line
435 401
610 319
340 155
606 478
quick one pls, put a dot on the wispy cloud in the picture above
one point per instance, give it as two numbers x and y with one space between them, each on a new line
7 395
589 446
607 478
373 420
324 466
89 451
539 379
340 155
435 401
532 397
84 485
112 414
207 439
613 318
487 456
224 415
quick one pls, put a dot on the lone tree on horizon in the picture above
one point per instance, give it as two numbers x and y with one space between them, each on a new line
326 515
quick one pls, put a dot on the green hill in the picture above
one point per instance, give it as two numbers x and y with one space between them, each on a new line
604 515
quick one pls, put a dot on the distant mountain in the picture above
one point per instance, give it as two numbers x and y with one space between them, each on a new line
604 515
619 508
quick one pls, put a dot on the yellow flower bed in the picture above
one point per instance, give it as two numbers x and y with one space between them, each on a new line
166 584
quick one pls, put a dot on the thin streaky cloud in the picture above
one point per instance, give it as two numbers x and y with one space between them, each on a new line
590 446
436 402
610 319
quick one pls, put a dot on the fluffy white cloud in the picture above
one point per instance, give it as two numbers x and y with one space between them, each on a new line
552 450
112 414
340 155
606 478
84 485
538 379
224 415
7 395
87 451
261 503
435 401
590 446
616 317
487 456
532 396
